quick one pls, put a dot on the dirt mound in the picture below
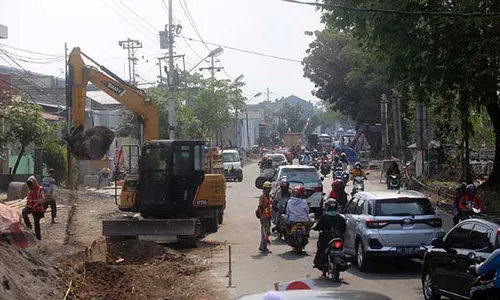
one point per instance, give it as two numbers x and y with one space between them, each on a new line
147 271
25 275
140 252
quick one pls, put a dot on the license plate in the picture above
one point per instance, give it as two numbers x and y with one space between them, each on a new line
201 202
409 250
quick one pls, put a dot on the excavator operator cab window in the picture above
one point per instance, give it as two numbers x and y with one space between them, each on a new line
183 160
155 162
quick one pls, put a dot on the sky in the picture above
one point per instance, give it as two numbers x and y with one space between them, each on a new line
271 27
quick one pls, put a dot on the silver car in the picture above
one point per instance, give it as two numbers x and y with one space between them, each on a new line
278 159
389 224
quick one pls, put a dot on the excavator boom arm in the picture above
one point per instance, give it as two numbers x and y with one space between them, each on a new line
93 143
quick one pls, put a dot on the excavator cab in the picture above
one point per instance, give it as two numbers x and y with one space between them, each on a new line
170 172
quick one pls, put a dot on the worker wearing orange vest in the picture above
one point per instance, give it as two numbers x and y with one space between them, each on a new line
34 205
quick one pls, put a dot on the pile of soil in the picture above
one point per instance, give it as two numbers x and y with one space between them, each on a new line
142 270
25 275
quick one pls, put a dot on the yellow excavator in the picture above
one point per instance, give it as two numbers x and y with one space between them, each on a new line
171 189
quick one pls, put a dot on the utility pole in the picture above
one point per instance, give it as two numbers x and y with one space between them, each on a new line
385 129
267 94
212 67
171 81
131 46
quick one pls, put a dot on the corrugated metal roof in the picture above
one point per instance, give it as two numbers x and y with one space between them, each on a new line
101 97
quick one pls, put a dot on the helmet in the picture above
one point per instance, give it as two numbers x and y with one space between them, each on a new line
284 183
336 158
338 184
265 157
471 190
331 205
298 191
460 186
267 185
343 155
357 165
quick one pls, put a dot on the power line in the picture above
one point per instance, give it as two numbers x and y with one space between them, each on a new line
28 51
247 51
128 22
185 8
34 82
139 16
393 11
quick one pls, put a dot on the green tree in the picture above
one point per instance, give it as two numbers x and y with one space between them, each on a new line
54 154
290 119
25 126
346 75
453 60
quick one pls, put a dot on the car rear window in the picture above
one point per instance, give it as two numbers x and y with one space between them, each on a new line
403 207
278 158
304 175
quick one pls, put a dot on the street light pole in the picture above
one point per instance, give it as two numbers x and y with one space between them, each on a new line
246 116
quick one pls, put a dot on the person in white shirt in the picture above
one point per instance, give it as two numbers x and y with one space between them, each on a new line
48 189
297 209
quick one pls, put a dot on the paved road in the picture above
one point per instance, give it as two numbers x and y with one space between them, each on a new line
254 272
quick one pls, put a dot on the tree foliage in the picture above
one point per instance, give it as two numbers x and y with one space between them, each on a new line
25 126
203 106
54 153
452 61
346 75
290 119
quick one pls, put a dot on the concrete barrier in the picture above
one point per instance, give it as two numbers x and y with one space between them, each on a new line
17 190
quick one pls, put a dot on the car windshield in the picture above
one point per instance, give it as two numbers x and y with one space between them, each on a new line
277 158
230 157
303 175
403 207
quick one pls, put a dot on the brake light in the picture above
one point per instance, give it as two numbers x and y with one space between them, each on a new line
376 223
436 222
337 244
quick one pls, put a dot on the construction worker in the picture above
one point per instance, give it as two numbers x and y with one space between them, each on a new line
48 189
103 177
265 215
34 205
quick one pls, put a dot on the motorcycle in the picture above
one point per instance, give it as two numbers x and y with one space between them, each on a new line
481 285
393 182
337 173
358 184
325 167
298 237
336 259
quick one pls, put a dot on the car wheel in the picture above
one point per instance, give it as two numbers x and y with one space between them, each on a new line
429 286
361 258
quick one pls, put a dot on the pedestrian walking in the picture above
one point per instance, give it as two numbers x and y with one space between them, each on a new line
265 215
34 205
48 189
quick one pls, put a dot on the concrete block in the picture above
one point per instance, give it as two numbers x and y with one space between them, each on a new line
17 190
91 180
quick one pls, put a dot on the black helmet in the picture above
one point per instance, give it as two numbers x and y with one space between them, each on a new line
357 165
471 190
336 158
331 205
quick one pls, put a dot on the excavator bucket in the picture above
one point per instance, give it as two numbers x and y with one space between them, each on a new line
90 144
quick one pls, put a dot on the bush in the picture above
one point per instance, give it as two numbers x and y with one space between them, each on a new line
54 156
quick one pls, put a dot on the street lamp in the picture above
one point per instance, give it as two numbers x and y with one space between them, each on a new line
217 51
246 116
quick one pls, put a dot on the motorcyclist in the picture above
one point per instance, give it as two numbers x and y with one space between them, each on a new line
343 158
392 170
330 225
469 201
336 162
357 171
459 193
280 201
307 157
297 209
338 193
315 153
487 289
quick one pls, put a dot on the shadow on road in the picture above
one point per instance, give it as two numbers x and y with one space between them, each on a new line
293 255
390 270
324 282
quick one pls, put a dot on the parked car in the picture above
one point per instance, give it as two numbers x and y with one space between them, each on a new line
278 159
232 161
307 176
445 265
389 224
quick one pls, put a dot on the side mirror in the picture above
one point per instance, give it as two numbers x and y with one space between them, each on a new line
322 178
438 242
